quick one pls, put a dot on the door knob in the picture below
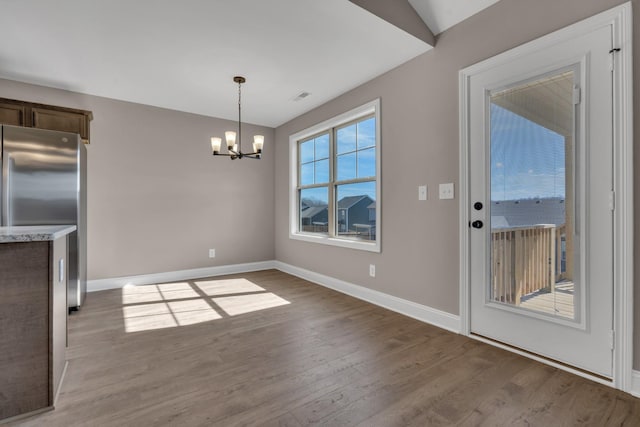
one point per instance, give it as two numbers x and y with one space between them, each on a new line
477 224
477 206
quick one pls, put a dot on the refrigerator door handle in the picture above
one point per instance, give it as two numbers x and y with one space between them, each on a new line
6 189
1 175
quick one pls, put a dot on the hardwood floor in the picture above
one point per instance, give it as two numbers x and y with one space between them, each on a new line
270 349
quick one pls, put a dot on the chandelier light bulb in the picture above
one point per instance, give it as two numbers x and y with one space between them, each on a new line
215 144
230 136
258 142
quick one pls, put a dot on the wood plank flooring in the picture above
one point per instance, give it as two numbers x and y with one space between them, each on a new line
269 349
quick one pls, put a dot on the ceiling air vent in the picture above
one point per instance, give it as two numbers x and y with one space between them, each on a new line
301 96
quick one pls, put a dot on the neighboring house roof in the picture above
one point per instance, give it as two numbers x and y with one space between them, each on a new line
499 222
312 211
372 206
347 202
518 213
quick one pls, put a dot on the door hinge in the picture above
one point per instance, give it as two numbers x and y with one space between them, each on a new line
612 200
612 339
576 95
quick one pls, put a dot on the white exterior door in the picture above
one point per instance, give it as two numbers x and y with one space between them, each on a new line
541 202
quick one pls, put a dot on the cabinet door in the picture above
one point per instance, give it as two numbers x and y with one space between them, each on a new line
13 114
24 328
61 120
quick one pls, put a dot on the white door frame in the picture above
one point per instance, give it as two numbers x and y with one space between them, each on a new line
620 20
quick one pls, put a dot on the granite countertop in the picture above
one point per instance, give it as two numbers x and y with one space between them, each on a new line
34 233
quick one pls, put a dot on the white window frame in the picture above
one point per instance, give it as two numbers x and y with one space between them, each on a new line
370 108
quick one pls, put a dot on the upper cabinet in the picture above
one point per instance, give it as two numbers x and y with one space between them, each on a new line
29 114
12 114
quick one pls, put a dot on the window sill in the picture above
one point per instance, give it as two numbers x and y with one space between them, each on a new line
334 241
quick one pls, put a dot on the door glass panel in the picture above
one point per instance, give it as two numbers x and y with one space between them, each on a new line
532 201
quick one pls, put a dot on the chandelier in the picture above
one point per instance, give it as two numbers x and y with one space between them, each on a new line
234 145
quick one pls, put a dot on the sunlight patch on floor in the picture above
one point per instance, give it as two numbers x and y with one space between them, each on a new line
242 304
169 305
228 286
192 312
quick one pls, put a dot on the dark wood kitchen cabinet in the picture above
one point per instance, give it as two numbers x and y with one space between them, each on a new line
12 114
33 323
29 114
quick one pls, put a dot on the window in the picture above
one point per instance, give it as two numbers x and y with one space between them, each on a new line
335 187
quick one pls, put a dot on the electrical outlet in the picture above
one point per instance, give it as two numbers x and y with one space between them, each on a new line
372 270
212 253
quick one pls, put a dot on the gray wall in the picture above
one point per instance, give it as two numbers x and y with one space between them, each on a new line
419 105
157 198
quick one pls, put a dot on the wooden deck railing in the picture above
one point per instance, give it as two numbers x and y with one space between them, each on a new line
316 227
525 260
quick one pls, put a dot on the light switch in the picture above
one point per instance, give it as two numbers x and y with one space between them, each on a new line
422 192
446 191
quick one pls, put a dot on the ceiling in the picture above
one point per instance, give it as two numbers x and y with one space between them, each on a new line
183 55
547 101
440 15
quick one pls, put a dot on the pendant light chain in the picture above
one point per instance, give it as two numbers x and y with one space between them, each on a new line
239 116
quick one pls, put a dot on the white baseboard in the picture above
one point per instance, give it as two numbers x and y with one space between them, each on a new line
417 311
635 383
172 276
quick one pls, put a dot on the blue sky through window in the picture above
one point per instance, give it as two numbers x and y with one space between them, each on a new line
527 160
356 149
314 159
356 158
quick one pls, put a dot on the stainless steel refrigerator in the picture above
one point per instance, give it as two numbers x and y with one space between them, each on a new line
44 183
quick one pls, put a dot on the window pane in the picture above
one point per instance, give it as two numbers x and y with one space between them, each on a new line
306 174
313 208
367 133
532 197
322 147
306 151
346 139
322 171
367 163
356 211
346 167
339 166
